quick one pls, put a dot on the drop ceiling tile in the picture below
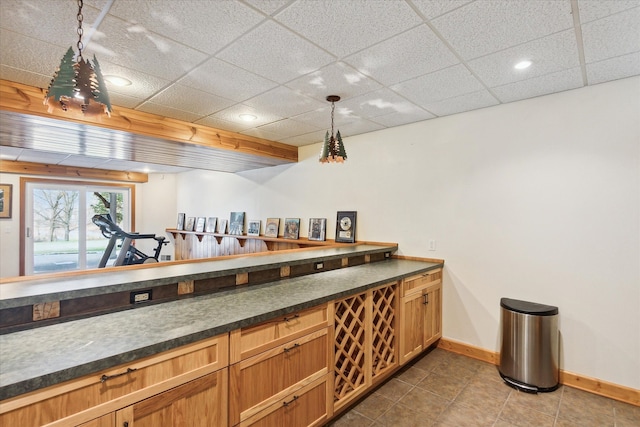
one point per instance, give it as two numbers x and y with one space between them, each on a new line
590 10
459 104
434 8
142 85
348 26
35 156
614 68
284 102
399 119
53 21
226 80
538 86
483 27
288 127
163 110
358 127
23 53
261 133
413 53
335 79
275 53
232 114
215 122
188 99
10 153
615 35
322 116
120 100
25 77
268 6
306 139
190 22
374 104
443 84
135 46
549 54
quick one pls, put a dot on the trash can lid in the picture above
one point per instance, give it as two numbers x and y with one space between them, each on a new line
528 307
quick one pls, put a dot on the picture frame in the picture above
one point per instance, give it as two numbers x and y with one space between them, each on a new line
291 228
222 226
200 224
236 223
346 227
253 228
210 226
317 228
271 227
191 222
181 218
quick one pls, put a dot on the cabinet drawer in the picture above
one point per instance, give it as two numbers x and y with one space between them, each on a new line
305 407
247 342
123 384
258 382
417 283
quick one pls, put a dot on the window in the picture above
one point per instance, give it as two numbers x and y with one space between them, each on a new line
58 232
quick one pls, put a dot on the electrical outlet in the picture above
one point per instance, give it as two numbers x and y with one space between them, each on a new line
387 254
136 297
165 257
319 265
432 245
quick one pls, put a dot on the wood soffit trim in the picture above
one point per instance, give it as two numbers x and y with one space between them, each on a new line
27 168
140 135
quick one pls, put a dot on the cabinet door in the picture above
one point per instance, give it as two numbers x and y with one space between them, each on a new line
198 403
412 325
433 315
108 420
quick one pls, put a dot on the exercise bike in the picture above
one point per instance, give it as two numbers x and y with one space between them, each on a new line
129 254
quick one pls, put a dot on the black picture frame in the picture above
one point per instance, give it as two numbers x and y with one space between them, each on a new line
346 227
236 223
181 220
291 228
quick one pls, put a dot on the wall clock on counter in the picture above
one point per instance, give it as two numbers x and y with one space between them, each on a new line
346 227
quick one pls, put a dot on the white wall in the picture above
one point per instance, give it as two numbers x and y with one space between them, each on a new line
10 231
536 200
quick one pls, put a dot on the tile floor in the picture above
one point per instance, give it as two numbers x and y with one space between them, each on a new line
447 389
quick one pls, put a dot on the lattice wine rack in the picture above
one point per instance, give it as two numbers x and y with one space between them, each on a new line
384 324
350 346
355 366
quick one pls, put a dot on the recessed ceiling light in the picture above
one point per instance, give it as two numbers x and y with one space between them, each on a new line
248 117
522 65
118 81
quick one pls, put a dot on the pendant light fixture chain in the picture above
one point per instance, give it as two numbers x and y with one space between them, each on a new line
80 31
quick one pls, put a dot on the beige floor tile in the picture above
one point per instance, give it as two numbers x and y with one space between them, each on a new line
443 386
572 397
584 416
488 372
445 369
625 412
412 375
424 401
546 403
402 416
488 397
394 389
502 423
430 360
373 406
457 415
351 419
524 416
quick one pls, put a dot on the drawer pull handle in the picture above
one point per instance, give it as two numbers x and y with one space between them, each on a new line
285 404
288 349
295 316
108 377
426 298
125 424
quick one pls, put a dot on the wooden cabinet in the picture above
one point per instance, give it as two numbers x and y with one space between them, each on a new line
278 381
198 403
365 341
92 398
421 313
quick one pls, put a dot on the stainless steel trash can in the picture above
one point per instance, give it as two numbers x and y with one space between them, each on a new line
529 349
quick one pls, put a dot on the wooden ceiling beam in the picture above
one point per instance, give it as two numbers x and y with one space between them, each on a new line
26 99
27 168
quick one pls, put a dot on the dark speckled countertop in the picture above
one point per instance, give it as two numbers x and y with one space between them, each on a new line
48 355
37 290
